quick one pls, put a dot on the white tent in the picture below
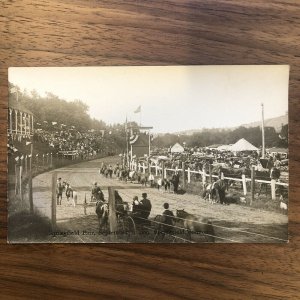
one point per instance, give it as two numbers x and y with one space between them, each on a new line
242 145
224 148
177 148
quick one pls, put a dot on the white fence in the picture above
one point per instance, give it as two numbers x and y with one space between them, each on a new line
142 167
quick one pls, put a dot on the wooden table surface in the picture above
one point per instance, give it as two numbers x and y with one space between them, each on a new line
88 33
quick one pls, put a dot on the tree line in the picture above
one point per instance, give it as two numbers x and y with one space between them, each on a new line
51 108
209 137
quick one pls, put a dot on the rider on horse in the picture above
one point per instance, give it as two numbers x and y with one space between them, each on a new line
97 194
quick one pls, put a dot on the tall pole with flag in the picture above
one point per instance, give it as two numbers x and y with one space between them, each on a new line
139 110
263 130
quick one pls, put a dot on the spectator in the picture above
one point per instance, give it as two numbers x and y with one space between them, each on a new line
168 219
59 191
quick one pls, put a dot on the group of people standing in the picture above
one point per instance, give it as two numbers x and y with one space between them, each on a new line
71 195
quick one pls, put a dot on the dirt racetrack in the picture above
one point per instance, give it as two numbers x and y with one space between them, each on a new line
232 223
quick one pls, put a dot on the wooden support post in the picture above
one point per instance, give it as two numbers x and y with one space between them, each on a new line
273 189
156 169
53 206
20 182
244 184
210 173
163 169
144 168
21 124
30 192
43 160
51 159
10 121
183 175
252 185
84 204
165 172
112 211
189 175
26 164
16 179
222 175
148 166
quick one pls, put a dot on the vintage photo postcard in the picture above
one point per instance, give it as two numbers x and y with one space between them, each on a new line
148 154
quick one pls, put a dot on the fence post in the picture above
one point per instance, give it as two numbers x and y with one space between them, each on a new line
112 211
51 159
203 176
222 175
148 166
273 189
53 206
189 175
244 184
252 185
156 166
163 169
144 168
43 159
210 173
183 173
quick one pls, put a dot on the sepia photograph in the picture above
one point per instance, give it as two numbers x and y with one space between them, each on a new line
148 154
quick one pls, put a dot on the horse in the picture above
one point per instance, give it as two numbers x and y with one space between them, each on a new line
123 175
103 170
122 207
209 192
195 224
143 179
134 176
102 213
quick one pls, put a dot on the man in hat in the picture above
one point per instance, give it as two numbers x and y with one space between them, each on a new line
59 191
168 219
146 206
143 208
97 194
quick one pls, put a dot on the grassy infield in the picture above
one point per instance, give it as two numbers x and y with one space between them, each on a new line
262 201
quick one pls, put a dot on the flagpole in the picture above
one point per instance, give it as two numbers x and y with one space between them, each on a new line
149 142
140 117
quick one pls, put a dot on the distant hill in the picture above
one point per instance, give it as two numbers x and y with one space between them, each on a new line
276 122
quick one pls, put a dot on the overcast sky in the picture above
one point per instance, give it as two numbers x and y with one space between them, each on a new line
172 98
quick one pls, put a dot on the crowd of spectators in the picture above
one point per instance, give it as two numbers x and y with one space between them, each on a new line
203 157
71 140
